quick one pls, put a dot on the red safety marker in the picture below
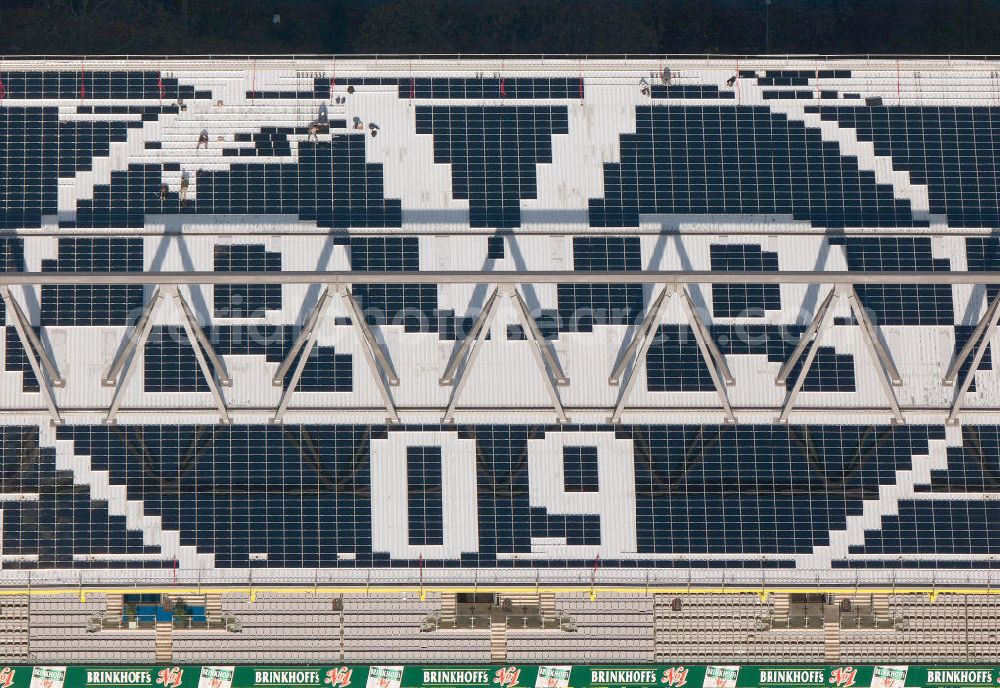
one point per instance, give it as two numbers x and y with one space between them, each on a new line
83 85
159 85
3 90
503 91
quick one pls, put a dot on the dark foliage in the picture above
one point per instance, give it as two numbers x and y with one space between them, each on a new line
498 26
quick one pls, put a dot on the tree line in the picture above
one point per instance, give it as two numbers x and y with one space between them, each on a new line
99 27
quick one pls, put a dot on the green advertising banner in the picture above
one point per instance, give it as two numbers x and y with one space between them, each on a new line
519 676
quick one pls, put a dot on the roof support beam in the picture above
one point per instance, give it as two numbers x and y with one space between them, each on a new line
807 336
305 334
304 343
365 332
531 330
55 379
373 353
884 367
111 375
878 349
718 369
195 337
714 360
548 365
886 370
346 277
985 334
128 355
956 365
637 349
483 320
697 325
199 335
817 328
458 369
652 313
472 344
42 367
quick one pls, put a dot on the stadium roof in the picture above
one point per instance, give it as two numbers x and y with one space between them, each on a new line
732 315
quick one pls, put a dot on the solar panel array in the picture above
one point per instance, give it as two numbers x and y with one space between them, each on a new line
692 168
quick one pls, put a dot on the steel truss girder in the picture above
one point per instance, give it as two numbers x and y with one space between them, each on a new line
346 277
41 365
304 343
980 339
200 345
378 361
636 352
458 368
123 365
956 365
376 358
886 371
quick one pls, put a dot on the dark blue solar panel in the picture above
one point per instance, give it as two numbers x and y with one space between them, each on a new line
93 304
493 152
246 300
264 143
452 88
492 88
829 372
325 371
425 506
581 306
65 525
962 334
411 305
723 159
744 300
950 149
766 489
972 467
982 254
95 85
507 521
675 364
300 495
331 183
900 304
39 149
606 253
452 328
385 254
944 526
689 91
495 247
169 363
580 469
15 360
